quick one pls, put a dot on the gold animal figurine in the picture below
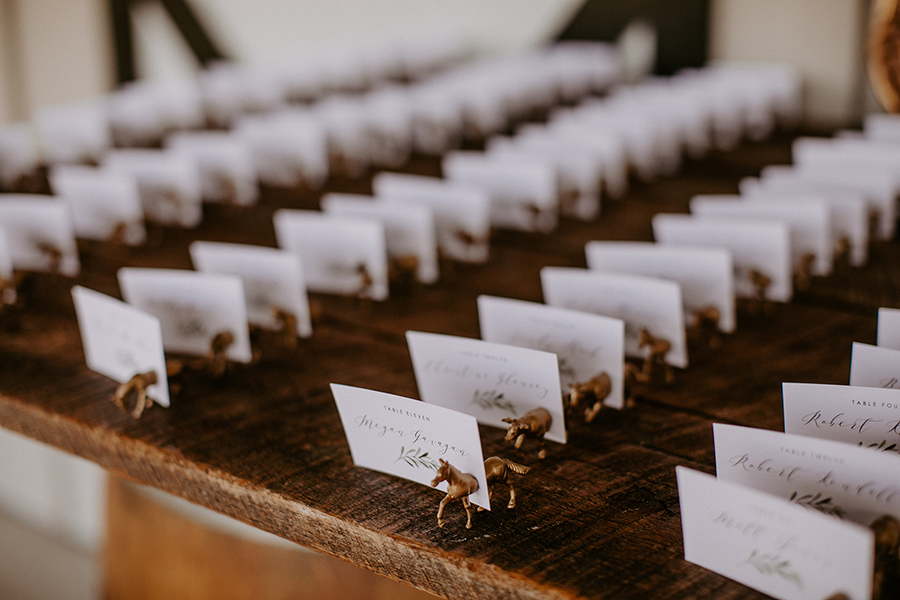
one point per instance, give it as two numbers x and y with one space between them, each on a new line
137 384
287 327
705 323
402 271
459 486
629 383
216 357
803 271
597 387
497 471
656 357
761 283
533 424
886 582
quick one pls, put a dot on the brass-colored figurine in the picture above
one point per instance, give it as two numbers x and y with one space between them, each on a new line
803 271
459 486
497 471
597 388
629 383
842 251
138 385
761 283
54 256
287 327
365 281
216 359
533 424
656 357
402 271
886 582
705 323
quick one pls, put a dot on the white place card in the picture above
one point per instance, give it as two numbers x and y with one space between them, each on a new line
40 233
407 438
889 328
7 274
524 194
863 416
408 229
461 213
339 255
227 171
169 184
641 302
830 477
73 133
772 545
488 381
289 148
104 204
585 344
874 366
762 246
272 278
121 341
809 222
192 308
706 275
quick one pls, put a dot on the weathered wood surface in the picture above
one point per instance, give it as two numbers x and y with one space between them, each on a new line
597 519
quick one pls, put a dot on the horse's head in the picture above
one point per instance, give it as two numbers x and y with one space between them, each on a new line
443 472
515 428
644 338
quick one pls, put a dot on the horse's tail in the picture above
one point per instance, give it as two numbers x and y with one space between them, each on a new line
516 467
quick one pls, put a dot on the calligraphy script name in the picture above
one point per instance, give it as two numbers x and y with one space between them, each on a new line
416 436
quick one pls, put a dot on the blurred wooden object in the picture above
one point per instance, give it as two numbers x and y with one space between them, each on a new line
884 53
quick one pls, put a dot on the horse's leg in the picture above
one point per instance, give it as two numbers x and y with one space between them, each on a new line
590 413
543 453
519 440
468 507
512 495
440 515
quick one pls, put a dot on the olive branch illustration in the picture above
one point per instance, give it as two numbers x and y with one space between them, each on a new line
882 446
415 458
773 564
817 502
490 399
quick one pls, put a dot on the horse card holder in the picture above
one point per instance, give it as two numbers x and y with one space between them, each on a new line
490 381
7 274
769 544
408 438
40 233
227 171
121 341
193 308
874 366
889 328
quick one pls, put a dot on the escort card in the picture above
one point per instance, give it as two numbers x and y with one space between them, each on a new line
192 308
169 184
585 344
73 133
105 205
641 302
830 477
863 416
272 278
40 234
771 545
227 172
524 194
889 328
762 246
7 275
121 341
406 438
486 380
874 366
289 148
461 213
408 229
809 222
706 275
339 255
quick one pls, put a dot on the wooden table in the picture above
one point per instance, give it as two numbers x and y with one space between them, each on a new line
598 518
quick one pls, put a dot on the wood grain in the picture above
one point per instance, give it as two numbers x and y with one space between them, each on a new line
598 518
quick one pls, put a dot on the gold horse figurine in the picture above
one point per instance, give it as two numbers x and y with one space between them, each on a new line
535 423
137 384
656 357
597 387
497 470
459 486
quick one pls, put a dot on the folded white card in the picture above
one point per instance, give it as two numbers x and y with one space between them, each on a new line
762 246
104 204
404 437
524 194
831 477
272 279
889 328
192 308
408 229
339 255
121 341
7 275
169 184
585 344
809 222
289 148
874 366
73 133
864 416
227 171
461 213
488 381
772 545
641 302
706 275
40 233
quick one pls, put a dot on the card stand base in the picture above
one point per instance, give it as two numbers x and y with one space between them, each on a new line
137 385
533 424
